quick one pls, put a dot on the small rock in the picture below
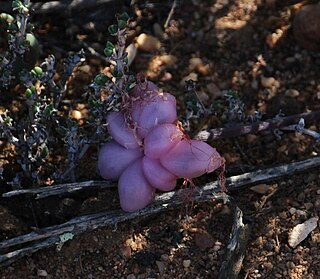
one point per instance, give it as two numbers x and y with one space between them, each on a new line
292 210
164 257
148 43
131 276
293 93
214 90
318 192
76 114
267 82
193 76
204 240
301 213
85 68
125 251
42 273
283 215
261 188
161 266
203 96
308 205
168 59
157 30
194 63
268 265
317 203
301 231
301 197
186 263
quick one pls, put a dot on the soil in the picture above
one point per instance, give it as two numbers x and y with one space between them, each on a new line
244 46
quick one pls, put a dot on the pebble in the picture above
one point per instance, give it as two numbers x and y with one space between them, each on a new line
261 188
76 114
157 30
301 231
268 265
161 266
148 43
317 203
292 210
186 263
194 63
168 59
283 215
131 276
267 82
85 69
293 93
204 240
193 76
308 205
42 273
318 192
214 90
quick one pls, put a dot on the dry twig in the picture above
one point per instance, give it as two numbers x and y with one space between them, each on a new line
256 127
49 236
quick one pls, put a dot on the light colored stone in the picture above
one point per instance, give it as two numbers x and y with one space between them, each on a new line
85 68
186 263
267 82
148 43
168 59
76 114
292 210
42 273
301 231
293 93
261 188
194 63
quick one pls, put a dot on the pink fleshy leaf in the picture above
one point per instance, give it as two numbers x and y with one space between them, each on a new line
152 111
119 130
157 175
135 192
191 158
114 158
161 139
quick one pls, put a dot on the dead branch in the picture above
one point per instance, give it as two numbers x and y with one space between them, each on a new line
236 248
46 237
272 124
59 189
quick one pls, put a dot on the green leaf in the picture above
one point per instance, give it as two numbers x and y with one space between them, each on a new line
122 24
44 152
36 72
113 29
101 79
49 109
61 131
124 16
8 120
116 73
108 52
